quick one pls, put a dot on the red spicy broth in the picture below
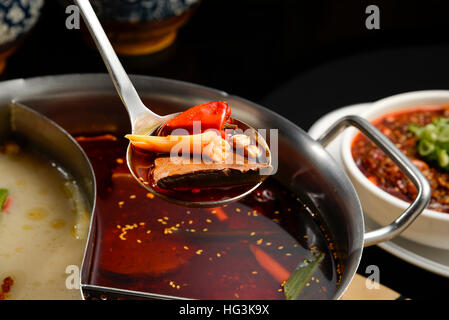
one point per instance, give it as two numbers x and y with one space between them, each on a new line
380 170
145 243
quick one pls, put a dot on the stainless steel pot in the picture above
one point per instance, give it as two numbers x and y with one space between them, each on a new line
81 103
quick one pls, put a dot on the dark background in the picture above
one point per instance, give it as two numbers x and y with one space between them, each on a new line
299 58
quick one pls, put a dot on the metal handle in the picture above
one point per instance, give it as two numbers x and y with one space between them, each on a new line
134 105
417 178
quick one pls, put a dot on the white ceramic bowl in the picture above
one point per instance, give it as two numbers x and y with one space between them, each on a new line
431 227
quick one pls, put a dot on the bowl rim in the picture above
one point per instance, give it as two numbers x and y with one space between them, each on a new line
375 111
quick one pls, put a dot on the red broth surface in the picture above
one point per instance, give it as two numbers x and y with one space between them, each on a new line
380 170
146 244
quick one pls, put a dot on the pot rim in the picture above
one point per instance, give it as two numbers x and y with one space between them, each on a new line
90 83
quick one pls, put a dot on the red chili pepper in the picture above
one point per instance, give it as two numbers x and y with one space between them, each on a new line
212 115
7 204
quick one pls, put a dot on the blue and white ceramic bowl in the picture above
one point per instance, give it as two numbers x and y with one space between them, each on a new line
17 17
140 10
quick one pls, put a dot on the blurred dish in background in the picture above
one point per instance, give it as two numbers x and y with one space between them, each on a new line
139 27
17 17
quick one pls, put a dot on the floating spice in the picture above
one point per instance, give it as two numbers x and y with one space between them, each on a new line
302 274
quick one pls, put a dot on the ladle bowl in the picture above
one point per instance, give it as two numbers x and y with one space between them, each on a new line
211 199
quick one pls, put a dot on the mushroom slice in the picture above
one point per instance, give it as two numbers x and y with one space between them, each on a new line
169 173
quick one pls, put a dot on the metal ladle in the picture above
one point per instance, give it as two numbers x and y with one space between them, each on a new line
143 120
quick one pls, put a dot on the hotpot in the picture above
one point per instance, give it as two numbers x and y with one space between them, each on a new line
88 103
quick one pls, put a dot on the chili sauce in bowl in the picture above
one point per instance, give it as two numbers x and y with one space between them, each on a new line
381 171
407 120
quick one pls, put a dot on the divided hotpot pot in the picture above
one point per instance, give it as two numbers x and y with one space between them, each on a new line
88 103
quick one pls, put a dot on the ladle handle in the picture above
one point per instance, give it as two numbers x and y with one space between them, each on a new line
134 105
417 178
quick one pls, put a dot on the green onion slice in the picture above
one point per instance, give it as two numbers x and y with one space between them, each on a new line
425 147
3 197
443 136
443 158
430 132
416 129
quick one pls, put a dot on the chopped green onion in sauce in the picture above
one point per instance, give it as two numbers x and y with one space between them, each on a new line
433 143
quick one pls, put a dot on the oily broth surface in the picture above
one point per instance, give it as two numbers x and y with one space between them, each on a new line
37 241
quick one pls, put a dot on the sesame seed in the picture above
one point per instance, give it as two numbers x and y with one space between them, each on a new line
150 195
133 196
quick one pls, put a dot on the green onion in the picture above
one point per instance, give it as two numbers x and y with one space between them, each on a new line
425 147
443 158
3 197
416 129
299 278
443 136
433 141
430 132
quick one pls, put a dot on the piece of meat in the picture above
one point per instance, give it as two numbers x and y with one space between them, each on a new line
6 287
169 173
